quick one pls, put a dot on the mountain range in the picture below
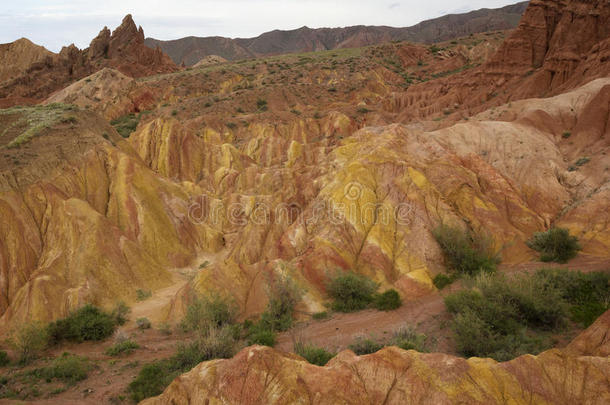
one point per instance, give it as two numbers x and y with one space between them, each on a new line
191 50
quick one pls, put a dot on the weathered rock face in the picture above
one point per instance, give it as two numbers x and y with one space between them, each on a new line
85 221
107 92
557 46
17 56
370 201
260 375
123 50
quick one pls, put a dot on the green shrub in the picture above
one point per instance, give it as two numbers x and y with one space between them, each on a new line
555 245
4 360
408 339
588 295
165 329
126 125
582 161
320 315
283 296
261 104
155 377
351 292
503 317
67 368
215 343
152 380
365 346
387 301
123 348
87 323
442 280
465 252
142 295
29 340
143 323
259 335
314 355
204 312
120 313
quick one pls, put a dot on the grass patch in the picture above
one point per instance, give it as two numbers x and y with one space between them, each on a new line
126 124
313 354
142 295
36 119
68 368
363 346
318 316
123 348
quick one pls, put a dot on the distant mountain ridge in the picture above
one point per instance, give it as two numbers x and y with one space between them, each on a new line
191 50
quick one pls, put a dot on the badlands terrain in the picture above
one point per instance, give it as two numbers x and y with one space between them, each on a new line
127 178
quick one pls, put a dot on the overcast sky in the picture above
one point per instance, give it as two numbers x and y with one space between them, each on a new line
54 23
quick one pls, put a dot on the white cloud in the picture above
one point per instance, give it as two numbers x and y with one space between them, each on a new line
55 23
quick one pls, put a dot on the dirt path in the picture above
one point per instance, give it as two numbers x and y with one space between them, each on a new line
427 315
155 307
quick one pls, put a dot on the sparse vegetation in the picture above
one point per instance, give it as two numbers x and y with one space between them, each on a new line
261 104
210 344
87 323
213 310
407 338
143 323
555 245
363 346
120 313
4 359
28 341
126 124
582 161
123 348
566 135
67 368
142 295
283 296
466 253
313 354
35 120
320 315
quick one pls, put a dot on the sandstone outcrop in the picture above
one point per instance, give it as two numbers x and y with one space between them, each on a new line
557 46
122 49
